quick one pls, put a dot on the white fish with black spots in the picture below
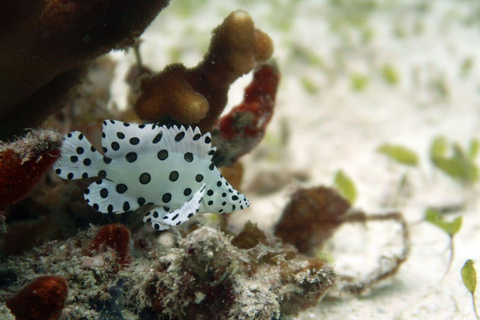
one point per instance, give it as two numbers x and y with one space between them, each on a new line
169 167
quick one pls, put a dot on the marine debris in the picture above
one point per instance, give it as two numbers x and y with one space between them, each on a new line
313 215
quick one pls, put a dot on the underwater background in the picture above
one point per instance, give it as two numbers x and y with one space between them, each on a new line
352 128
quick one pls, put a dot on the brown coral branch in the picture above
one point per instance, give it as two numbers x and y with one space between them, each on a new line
199 95
243 128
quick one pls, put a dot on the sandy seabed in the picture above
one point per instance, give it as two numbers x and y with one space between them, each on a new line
336 107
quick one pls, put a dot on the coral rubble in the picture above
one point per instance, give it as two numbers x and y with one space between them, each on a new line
210 274
198 95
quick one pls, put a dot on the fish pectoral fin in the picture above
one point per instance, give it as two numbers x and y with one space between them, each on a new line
188 210
155 217
103 195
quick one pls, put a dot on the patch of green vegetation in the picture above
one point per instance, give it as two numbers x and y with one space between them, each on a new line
345 186
358 82
460 165
466 66
399 154
440 87
451 228
309 85
310 57
469 278
390 75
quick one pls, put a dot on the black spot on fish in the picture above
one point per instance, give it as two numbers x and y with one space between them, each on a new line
120 135
70 176
121 188
173 176
187 192
196 137
134 141
102 173
157 138
199 178
126 206
115 146
74 159
87 162
179 136
166 197
162 154
104 193
107 160
131 157
141 201
144 178
188 157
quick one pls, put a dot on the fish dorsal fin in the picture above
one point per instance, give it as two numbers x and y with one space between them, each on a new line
180 139
120 138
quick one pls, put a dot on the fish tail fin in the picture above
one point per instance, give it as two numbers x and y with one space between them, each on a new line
79 159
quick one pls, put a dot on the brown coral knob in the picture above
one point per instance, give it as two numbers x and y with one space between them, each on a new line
198 95
42 299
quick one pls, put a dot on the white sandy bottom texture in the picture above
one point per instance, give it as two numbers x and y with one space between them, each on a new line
337 106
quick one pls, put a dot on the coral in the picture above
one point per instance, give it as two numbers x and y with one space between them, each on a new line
42 299
311 217
242 129
199 95
210 276
65 36
116 237
24 162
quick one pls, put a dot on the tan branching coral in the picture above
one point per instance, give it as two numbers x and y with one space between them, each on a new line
199 95
46 43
